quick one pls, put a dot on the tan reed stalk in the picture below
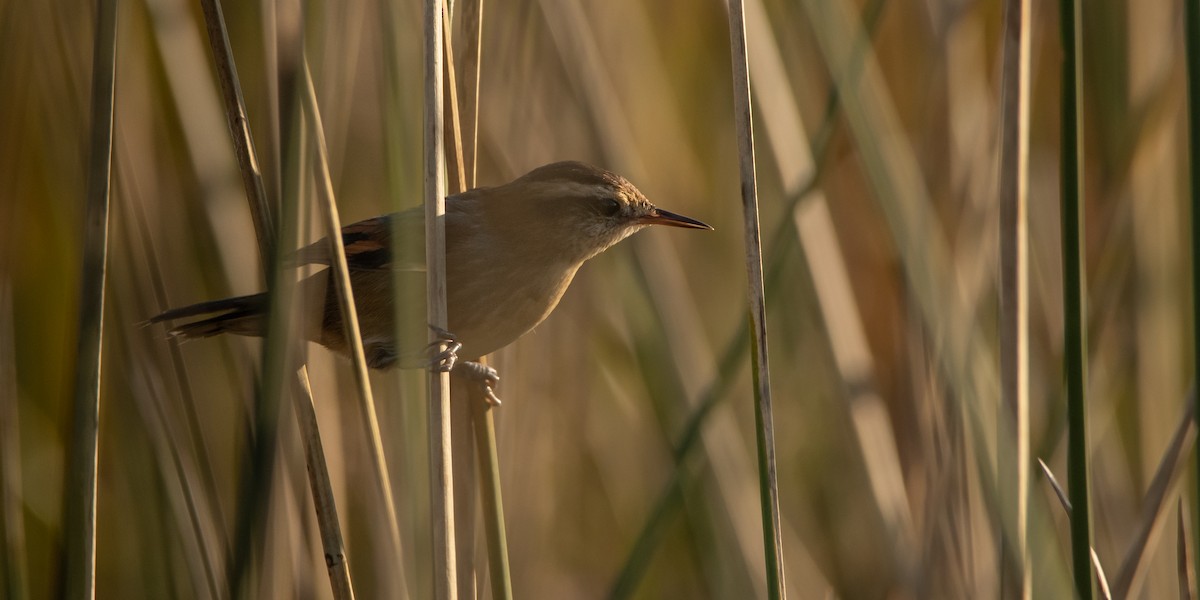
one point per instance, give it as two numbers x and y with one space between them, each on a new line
1014 281
322 493
441 475
461 440
239 127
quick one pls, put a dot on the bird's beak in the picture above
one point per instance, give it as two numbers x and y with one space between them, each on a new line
659 216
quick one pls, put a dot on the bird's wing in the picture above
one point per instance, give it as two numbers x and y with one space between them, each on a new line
368 244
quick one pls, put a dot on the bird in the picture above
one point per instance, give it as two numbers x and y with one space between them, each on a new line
511 252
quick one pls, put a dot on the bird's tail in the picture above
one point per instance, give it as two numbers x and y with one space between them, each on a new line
242 315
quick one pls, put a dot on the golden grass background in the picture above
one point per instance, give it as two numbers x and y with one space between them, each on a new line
596 397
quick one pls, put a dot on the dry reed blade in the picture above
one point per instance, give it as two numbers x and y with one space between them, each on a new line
1185 577
135 215
170 460
322 492
763 413
965 362
239 127
259 474
79 489
441 473
1154 504
1014 276
341 271
1093 558
153 401
461 440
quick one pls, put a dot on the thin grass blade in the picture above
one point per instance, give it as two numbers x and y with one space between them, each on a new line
79 503
346 303
1154 506
763 414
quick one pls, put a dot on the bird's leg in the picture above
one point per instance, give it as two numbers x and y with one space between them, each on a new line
485 376
443 351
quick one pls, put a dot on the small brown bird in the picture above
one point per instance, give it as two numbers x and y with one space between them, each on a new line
511 252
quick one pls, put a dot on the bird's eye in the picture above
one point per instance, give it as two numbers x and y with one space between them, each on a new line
610 207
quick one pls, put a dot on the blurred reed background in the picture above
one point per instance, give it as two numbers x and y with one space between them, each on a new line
880 230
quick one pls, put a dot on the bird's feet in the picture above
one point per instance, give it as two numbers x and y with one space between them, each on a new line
485 376
443 352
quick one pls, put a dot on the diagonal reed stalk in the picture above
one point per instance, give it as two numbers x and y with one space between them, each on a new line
1014 280
258 473
239 127
764 425
349 312
135 214
196 480
1154 505
1093 558
322 492
79 502
254 494
1074 312
1185 576
440 453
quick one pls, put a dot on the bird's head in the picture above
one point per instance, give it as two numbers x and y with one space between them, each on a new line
586 209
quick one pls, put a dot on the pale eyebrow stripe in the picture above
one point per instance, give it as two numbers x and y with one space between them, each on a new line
574 189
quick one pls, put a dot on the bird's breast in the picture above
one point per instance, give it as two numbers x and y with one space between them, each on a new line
493 299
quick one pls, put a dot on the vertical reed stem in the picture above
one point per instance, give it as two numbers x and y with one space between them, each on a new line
765 430
1014 277
1191 14
1074 320
440 458
79 504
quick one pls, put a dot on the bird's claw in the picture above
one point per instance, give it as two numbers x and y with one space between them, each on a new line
486 377
443 351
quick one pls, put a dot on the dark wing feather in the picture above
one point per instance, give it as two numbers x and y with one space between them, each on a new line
368 244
